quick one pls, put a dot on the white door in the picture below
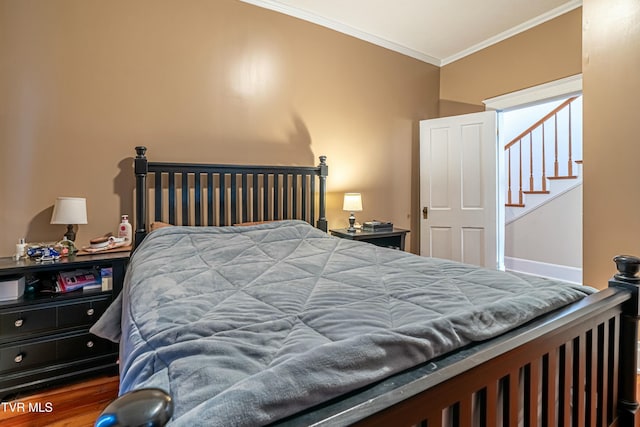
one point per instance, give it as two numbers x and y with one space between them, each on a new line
459 182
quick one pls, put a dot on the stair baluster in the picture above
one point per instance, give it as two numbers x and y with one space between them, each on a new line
533 186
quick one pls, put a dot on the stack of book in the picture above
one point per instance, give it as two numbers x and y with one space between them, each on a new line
69 281
377 226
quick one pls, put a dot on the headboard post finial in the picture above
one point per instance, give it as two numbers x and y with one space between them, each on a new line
140 151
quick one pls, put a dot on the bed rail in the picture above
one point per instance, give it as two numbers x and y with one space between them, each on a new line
203 194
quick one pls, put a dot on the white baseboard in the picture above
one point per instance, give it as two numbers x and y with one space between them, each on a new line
536 268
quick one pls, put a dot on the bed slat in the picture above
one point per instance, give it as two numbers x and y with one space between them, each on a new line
294 197
579 380
185 198
549 369
265 196
198 200
210 207
613 366
158 196
603 375
512 381
491 399
222 188
532 391
172 198
592 364
276 196
285 196
256 192
244 199
305 179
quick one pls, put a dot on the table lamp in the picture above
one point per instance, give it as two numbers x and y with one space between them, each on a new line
352 203
70 211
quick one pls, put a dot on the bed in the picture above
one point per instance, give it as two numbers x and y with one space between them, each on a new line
248 313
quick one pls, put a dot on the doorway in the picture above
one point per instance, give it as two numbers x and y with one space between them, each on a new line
543 237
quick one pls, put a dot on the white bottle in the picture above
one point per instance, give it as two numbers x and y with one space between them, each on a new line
125 229
21 249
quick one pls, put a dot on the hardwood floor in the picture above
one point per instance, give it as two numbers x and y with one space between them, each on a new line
75 405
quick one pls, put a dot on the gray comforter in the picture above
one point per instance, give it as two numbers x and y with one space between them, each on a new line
246 325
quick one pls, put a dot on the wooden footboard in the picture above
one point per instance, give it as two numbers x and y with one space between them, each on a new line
564 377
574 367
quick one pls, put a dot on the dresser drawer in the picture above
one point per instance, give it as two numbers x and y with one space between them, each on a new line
27 356
86 313
83 346
15 324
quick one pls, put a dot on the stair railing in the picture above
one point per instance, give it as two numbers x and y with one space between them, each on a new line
516 145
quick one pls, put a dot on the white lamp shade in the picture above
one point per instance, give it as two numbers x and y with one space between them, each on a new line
69 210
352 202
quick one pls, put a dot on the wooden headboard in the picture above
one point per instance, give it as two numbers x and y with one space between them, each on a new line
203 194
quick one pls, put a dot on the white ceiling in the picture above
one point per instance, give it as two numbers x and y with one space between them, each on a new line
434 31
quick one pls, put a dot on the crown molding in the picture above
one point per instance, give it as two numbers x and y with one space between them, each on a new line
343 28
379 41
554 13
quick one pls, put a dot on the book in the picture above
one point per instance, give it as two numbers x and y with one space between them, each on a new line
69 281
377 226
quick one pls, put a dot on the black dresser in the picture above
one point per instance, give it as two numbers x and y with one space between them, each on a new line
44 335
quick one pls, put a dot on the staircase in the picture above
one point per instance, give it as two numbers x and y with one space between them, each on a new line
540 161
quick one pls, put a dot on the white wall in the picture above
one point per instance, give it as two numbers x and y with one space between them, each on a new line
550 234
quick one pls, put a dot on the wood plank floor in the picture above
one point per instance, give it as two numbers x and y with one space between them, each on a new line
75 405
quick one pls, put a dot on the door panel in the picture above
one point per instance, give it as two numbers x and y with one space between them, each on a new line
472 244
458 180
439 178
441 240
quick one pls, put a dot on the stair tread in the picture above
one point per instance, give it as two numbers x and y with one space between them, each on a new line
514 205
563 177
537 192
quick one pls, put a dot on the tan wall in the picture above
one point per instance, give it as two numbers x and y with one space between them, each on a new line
83 82
611 86
542 54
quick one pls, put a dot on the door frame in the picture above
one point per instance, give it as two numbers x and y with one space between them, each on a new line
556 89
545 92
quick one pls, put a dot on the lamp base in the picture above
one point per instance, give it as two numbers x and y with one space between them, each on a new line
352 222
70 234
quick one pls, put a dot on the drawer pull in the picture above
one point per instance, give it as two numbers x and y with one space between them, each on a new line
19 358
19 323
90 312
89 344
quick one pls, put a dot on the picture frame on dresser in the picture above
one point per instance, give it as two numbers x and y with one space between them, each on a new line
44 335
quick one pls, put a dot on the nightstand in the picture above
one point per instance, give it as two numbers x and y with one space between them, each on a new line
44 336
390 239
